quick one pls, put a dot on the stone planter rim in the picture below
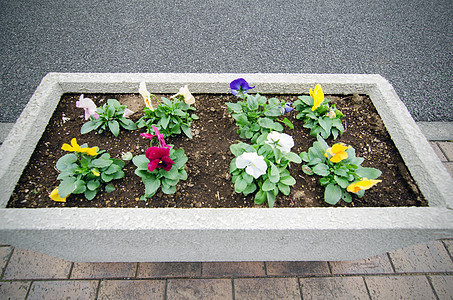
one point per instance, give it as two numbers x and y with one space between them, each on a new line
431 177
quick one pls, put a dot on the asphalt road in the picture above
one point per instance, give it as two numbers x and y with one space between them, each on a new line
409 42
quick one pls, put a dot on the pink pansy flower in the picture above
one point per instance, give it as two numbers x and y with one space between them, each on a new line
88 105
159 158
159 136
127 113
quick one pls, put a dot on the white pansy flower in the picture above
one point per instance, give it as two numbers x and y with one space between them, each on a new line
184 91
281 141
127 113
253 163
146 95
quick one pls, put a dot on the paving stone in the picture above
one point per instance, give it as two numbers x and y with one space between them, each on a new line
5 252
168 269
438 152
26 264
14 289
67 289
373 265
447 149
211 289
449 166
132 289
297 268
333 288
229 269
266 288
432 257
443 285
103 270
399 287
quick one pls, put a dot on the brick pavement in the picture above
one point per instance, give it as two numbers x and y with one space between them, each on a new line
417 272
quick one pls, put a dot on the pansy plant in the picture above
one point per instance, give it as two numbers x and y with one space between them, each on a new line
161 166
111 116
318 115
263 167
171 116
256 115
85 171
340 170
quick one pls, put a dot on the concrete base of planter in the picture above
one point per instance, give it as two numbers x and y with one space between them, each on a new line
127 234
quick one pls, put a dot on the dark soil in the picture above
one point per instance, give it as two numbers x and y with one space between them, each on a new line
209 182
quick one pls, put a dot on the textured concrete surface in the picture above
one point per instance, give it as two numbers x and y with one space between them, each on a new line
408 42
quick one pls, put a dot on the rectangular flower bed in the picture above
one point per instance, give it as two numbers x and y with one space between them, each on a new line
202 234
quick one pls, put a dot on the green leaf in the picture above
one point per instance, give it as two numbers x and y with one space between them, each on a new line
66 161
252 102
93 184
101 163
127 124
164 121
308 100
168 189
293 157
274 174
304 156
326 124
66 187
266 123
114 127
343 182
288 123
237 108
186 130
268 185
288 180
141 162
106 178
89 194
321 169
332 194
112 169
240 185
151 186
370 173
241 119
109 188
274 112
260 197
285 189
346 197
250 189
80 187
89 126
307 170
270 198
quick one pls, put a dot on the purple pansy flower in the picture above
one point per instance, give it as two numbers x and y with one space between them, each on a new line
239 87
287 108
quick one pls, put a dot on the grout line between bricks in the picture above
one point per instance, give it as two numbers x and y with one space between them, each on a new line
165 289
446 248
233 296
265 268
70 270
330 267
29 289
391 262
300 289
432 287
97 289
366 287
7 263
136 270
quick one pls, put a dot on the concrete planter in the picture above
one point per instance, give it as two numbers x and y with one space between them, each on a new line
127 234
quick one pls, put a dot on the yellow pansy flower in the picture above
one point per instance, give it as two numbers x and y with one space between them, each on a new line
338 152
363 184
318 96
56 197
74 147
95 173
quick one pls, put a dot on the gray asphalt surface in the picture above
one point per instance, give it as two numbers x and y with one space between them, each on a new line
409 42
